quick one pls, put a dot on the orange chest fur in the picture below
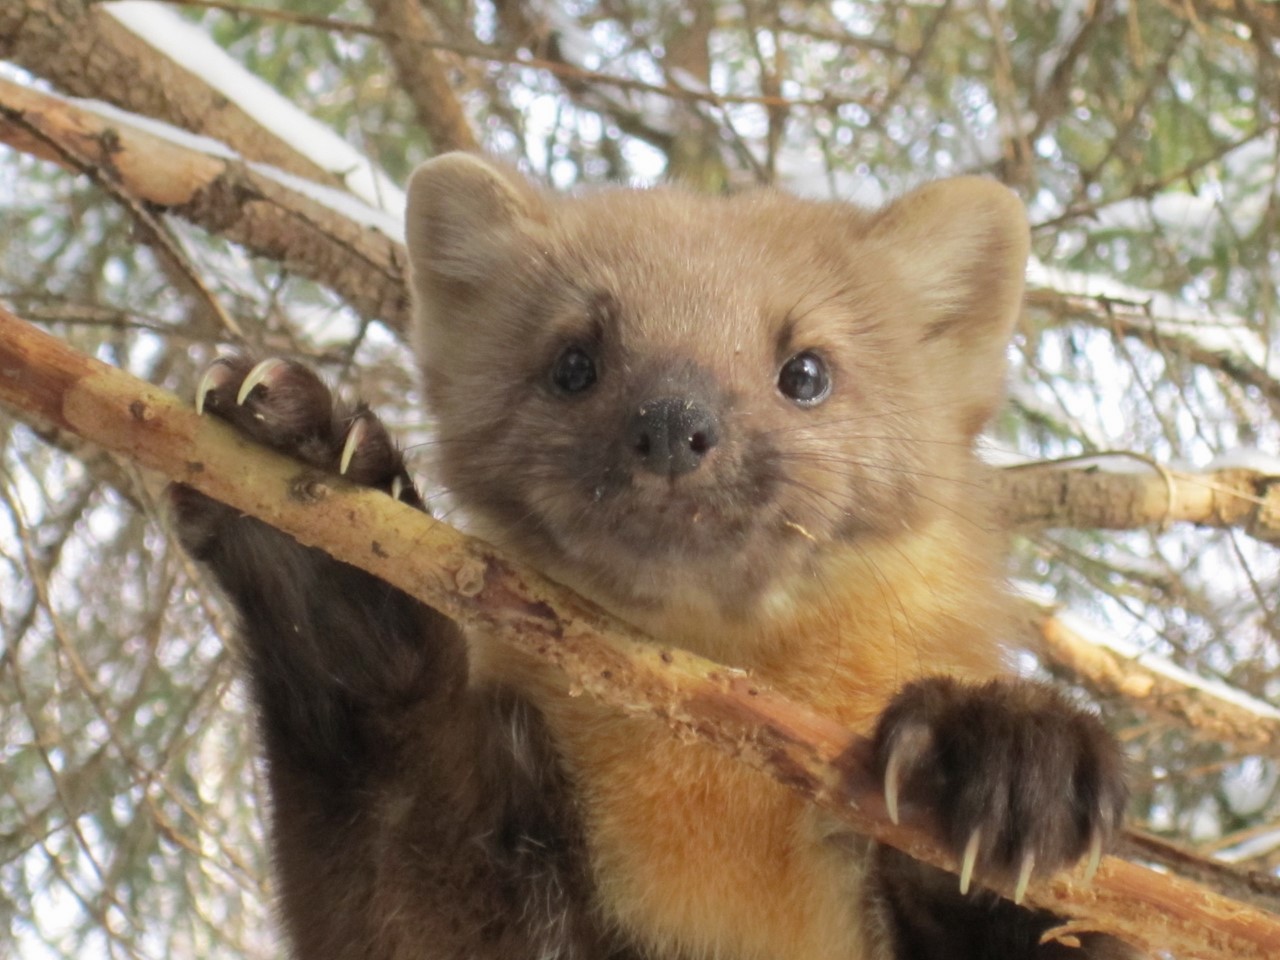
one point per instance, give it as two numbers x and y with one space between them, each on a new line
697 855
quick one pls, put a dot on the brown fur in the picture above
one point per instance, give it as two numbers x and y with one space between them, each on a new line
412 816
438 796
837 551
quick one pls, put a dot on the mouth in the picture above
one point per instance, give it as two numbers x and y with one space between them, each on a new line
637 554
682 510
648 526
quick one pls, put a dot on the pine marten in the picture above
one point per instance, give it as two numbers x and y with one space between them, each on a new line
745 425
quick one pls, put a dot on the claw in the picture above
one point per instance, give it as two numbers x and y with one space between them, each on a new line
970 858
1095 858
892 780
1024 878
355 437
397 488
213 378
259 374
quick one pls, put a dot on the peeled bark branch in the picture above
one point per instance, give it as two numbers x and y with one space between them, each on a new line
1094 497
477 586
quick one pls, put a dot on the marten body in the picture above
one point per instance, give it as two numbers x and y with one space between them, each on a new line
745 426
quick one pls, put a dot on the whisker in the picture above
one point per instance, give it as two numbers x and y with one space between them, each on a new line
889 466
941 505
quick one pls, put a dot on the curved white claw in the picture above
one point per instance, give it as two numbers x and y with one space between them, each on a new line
355 437
1095 858
892 780
1024 878
397 488
257 375
970 858
213 377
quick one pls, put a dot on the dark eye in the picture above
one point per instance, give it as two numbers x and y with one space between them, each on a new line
573 371
805 379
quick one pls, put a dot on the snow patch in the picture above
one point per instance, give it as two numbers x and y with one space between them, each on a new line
389 222
185 44
1218 333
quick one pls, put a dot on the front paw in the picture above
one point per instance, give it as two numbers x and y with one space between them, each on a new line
1020 780
286 406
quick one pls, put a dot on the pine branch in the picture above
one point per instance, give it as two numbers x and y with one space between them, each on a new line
1137 319
1212 709
479 587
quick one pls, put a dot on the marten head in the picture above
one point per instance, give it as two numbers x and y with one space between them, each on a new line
653 395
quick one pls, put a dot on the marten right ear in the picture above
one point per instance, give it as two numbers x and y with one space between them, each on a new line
961 248
464 215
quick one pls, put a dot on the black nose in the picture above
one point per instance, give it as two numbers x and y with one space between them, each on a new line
671 435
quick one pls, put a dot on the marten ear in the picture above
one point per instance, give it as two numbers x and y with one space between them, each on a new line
961 246
465 215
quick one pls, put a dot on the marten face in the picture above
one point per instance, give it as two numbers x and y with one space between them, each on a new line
654 395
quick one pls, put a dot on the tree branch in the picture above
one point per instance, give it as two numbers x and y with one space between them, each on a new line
1138 319
1105 492
1214 710
412 39
477 586
317 232
82 49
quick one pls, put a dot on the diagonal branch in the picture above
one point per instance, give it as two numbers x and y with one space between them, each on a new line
476 585
82 49
1210 708
324 235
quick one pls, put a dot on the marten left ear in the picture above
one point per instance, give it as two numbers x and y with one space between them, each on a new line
466 214
961 246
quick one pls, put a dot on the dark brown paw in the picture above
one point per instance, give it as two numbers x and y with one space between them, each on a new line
1021 780
286 406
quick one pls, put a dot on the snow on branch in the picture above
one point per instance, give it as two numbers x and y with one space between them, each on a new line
1112 666
94 50
476 585
1222 342
321 233
179 41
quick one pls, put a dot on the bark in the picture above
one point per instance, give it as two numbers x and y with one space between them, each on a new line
241 202
82 49
1040 496
478 586
1255 887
